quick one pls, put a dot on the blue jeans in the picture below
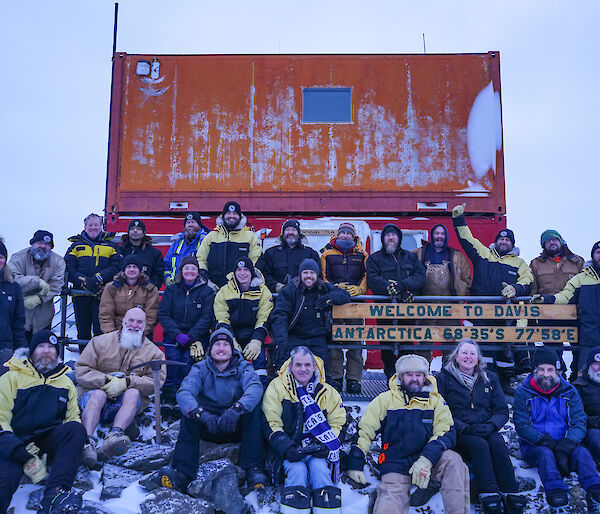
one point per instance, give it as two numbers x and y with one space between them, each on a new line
581 463
110 409
592 442
175 374
310 469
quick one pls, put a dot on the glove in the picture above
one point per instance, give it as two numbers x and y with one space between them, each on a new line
343 285
32 301
115 386
407 297
392 288
252 350
536 298
508 291
229 420
354 290
35 468
182 341
357 476
205 418
593 422
480 429
169 282
323 302
564 448
459 210
92 284
44 287
322 452
547 441
420 472
293 455
279 286
33 449
197 351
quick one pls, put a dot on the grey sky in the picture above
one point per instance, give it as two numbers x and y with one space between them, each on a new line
55 91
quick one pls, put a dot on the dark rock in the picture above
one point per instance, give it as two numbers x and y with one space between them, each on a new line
217 482
169 501
90 507
115 478
151 481
144 457
83 479
35 499
213 451
526 483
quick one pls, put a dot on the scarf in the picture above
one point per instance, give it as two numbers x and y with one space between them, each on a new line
467 380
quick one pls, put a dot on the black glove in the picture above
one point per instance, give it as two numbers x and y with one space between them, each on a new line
322 452
293 455
323 302
228 421
92 284
392 288
407 297
204 418
547 441
481 429
593 422
562 453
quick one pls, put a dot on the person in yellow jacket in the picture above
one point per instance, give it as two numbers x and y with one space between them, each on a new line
243 306
226 244
417 435
304 418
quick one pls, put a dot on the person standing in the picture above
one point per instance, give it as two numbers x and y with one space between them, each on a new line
136 242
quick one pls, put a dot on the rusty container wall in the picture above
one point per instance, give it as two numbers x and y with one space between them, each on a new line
206 129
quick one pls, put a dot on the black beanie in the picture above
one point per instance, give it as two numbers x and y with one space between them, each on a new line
133 259
290 223
189 259
221 333
593 356
233 207
193 216
137 223
43 336
506 232
594 248
390 227
309 265
3 249
43 235
545 355
245 262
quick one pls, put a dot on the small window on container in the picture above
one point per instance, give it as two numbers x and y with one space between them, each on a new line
327 105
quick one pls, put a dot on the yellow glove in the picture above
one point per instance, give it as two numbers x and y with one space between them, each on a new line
35 468
459 210
115 386
32 301
356 475
508 291
354 290
420 472
252 350
536 298
168 282
44 287
197 351
237 347
343 285
279 287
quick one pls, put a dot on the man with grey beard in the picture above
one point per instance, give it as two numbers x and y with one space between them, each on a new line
588 386
109 391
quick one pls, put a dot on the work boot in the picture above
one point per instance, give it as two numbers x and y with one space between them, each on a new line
327 500
593 500
256 478
89 456
336 383
491 503
421 496
116 443
173 479
514 503
132 431
557 500
59 501
353 387
295 500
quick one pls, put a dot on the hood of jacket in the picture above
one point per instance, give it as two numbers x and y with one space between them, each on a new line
515 251
147 240
358 247
256 282
84 238
120 280
20 363
239 226
6 275
289 382
429 386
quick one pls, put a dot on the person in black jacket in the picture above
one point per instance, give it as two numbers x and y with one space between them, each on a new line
479 410
136 242
302 313
279 264
394 272
588 386
12 312
186 315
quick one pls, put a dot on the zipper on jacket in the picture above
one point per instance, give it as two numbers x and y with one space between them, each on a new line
295 320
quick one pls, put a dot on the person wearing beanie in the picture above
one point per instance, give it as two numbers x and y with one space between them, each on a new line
302 313
186 315
417 434
130 288
184 244
136 242
588 386
12 312
343 263
243 306
281 263
42 435
92 260
393 272
551 424
220 402
226 244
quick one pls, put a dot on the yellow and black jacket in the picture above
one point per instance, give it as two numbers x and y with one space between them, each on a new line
244 313
410 426
31 403
490 269
339 266
221 249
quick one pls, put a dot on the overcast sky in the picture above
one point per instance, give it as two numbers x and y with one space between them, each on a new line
56 72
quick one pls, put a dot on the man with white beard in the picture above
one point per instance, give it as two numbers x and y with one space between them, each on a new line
588 386
109 392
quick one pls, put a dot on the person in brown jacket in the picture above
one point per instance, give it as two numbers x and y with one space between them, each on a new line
109 391
130 288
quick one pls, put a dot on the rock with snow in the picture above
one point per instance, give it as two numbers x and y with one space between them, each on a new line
116 478
212 451
169 501
35 499
144 457
83 479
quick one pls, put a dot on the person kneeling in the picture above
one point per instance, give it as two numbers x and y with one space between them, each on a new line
219 400
308 447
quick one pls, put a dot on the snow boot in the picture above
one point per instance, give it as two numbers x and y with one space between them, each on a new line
514 503
89 456
173 479
336 383
353 387
557 500
116 443
327 500
491 503
593 500
421 496
295 500
59 501
256 478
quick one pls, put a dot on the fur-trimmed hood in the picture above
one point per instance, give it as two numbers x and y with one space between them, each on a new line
239 226
515 251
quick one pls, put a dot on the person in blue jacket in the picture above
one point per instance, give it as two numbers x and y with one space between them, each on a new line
551 424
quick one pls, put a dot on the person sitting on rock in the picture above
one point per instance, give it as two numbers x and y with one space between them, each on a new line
39 425
220 403
479 410
304 418
417 434
109 391
588 386
551 424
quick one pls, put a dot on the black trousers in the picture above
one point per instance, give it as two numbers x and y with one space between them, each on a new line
86 317
491 463
317 345
248 432
63 445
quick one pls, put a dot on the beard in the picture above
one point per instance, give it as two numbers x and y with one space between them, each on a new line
190 233
291 240
439 244
39 254
412 387
547 383
554 252
391 247
131 340
230 224
45 364
594 376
